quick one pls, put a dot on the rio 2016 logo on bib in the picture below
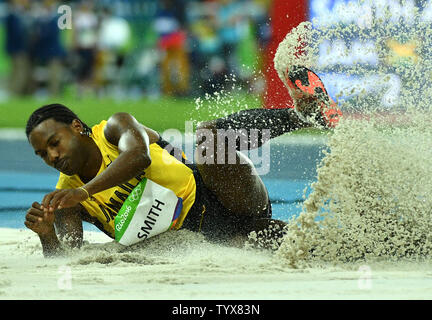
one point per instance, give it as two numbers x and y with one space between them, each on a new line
149 210
121 222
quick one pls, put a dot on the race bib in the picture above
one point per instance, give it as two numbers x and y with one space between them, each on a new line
149 210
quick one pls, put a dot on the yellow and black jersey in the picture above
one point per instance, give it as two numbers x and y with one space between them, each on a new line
165 170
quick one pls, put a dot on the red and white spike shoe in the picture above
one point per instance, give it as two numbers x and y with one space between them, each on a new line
310 97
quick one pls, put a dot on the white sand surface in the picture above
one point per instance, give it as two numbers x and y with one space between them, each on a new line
182 265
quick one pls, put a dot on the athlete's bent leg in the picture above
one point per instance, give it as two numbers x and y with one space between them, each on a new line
224 170
227 172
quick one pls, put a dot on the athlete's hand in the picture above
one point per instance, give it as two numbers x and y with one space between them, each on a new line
39 221
65 198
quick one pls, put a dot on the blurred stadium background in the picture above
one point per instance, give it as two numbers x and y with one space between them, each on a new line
153 56
142 56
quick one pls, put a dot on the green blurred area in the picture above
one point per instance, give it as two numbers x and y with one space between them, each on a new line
4 59
161 114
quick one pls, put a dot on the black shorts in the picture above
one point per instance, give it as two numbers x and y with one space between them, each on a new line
209 216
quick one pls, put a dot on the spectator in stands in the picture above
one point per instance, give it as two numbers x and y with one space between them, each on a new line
113 44
16 29
85 37
210 67
262 21
231 29
46 47
172 43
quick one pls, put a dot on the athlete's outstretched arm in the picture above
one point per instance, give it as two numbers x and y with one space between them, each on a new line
125 132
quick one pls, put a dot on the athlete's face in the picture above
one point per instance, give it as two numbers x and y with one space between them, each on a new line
59 145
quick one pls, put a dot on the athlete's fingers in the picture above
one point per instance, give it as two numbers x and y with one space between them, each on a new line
47 199
48 216
63 202
35 212
36 205
32 212
28 224
35 215
67 201
38 220
33 218
70 198
56 199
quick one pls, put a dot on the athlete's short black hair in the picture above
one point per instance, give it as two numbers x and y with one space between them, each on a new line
55 111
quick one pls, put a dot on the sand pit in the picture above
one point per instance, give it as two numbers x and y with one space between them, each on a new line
184 266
